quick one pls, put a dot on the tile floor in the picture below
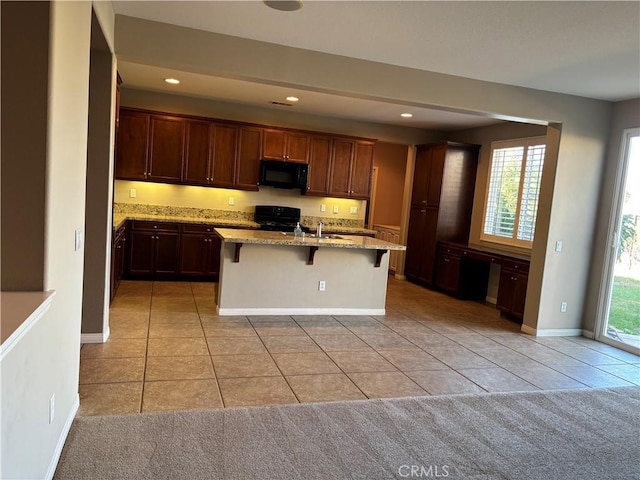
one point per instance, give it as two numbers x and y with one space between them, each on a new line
168 350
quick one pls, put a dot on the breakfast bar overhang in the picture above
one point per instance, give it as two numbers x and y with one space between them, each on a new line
276 273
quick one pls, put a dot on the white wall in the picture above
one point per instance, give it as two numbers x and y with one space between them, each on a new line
48 362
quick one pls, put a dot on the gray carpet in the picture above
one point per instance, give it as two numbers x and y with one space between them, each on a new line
577 434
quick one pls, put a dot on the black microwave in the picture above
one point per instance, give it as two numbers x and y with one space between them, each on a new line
274 173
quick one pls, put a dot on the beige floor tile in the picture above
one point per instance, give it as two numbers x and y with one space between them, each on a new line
115 348
235 345
208 319
172 289
290 344
133 302
139 330
353 362
111 370
278 328
260 319
175 331
444 382
341 343
161 317
387 341
412 359
305 363
110 398
237 392
497 380
258 365
324 327
180 395
208 307
328 387
203 289
386 384
458 357
177 347
178 368
228 330
126 316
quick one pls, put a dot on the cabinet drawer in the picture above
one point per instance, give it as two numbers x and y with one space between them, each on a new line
149 225
197 228
517 265
450 250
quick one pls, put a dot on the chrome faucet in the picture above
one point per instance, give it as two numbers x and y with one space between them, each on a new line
319 230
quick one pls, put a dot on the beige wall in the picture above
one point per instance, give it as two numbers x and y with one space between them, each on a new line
391 160
48 363
625 115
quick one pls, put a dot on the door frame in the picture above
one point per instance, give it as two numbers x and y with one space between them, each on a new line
613 239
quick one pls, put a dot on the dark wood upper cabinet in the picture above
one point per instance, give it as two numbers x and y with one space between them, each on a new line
248 158
350 172
319 166
197 153
361 170
223 158
166 148
132 146
340 174
286 145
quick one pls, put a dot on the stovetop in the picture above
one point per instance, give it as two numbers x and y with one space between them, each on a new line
277 219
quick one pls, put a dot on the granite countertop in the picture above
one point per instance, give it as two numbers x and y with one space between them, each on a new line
232 235
348 230
120 218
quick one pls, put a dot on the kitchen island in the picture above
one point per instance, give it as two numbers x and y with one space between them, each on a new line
273 273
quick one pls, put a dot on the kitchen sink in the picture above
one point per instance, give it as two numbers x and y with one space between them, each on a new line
313 235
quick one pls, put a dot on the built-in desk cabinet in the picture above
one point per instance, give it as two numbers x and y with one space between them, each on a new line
463 272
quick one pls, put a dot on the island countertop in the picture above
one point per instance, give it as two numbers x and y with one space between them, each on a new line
233 235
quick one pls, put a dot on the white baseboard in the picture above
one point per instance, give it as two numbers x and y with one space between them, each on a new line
491 300
588 334
63 438
95 337
552 332
300 311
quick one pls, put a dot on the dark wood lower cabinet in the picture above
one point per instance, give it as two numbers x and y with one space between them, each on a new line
117 258
170 251
464 273
199 252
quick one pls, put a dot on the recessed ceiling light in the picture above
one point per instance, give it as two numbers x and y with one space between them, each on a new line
284 5
406 115
172 81
292 99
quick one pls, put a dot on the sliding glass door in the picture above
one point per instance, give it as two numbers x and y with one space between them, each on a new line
620 313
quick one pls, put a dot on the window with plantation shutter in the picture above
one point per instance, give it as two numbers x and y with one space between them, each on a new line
513 191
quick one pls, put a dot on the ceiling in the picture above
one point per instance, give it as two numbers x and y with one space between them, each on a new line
589 49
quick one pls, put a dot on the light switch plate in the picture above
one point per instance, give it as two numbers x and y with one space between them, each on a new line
335 209
353 210
78 239
323 208
558 245
132 193
232 201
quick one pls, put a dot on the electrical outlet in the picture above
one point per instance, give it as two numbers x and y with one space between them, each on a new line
323 208
132 193
353 210
232 201
559 246
563 307
335 209
52 408
322 285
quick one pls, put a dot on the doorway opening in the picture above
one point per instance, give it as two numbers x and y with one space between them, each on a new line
620 316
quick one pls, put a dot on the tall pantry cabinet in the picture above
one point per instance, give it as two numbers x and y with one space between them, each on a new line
441 203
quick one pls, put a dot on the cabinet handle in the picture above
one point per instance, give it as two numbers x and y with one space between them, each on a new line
155 226
446 260
424 201
423 211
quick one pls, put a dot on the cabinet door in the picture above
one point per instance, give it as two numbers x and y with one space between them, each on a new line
421 244
167 149
361 170
519 294
248 159
297 147
506 290
141 258
213 257
319 165
132 145
421 177
273 144
193 250
436 170
166 250
196 157
342 156
448 273
225 139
